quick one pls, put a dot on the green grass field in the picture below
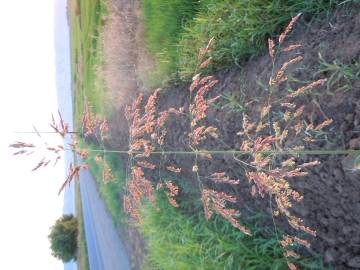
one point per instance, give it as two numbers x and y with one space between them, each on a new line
86 21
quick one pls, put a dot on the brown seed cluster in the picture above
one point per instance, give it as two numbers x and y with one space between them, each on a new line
61 128
173 192
139 189
288 28
107 174
214 201
54 153
74 172
147 127
147 133
271 135
200 104
270 178
94 125
222 178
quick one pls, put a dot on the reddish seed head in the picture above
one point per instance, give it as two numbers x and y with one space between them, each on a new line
271 46
206 63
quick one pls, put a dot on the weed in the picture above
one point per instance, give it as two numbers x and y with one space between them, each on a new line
340 76
261 141
174 28
232 103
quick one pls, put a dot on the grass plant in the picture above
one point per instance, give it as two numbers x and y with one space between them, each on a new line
340 76
175 28
232 103
268 173
179 240
240 28
163 21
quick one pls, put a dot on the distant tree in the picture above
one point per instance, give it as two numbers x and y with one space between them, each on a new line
63 238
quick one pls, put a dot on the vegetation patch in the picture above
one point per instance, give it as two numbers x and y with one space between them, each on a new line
107 171
239 28
163 21
86 21
175 30
176 240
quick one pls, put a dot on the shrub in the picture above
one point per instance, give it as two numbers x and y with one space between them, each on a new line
63 238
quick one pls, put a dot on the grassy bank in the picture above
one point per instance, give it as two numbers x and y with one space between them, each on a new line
86 21
240 28
180 240
82 257
163 22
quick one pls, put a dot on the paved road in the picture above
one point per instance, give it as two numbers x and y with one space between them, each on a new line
105 250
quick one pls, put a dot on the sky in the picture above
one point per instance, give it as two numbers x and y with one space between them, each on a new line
29 203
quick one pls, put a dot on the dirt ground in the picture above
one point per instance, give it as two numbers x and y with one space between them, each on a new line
331 192
126 60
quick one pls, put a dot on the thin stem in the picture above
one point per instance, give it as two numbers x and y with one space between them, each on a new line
43 132
244 163
273 219
232 152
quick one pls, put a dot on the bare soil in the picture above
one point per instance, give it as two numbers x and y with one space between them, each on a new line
331 192
127 62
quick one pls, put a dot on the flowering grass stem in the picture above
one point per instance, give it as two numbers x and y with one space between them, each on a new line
232 152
